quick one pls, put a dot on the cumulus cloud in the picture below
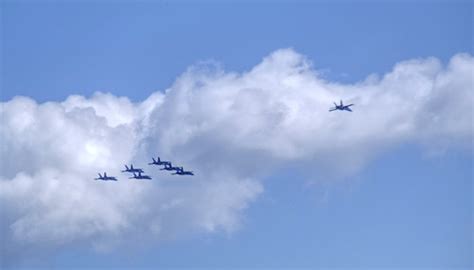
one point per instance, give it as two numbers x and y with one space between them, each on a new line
231 129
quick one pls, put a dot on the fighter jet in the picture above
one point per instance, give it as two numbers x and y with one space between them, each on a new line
106 178
169 167
140 176
159 162
341 107
131 169
181 171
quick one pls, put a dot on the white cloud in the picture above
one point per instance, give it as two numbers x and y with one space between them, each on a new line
230 128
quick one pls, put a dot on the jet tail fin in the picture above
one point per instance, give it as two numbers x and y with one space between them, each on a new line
100 176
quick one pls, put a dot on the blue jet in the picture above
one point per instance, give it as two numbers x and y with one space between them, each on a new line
106 178
169 167
159 162
341 107
140 176
132 170
181 171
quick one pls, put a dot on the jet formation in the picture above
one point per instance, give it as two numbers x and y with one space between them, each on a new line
139 174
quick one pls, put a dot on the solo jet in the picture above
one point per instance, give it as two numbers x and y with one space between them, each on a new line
181 171
106 178
159 162
170 167
132 170
140 176
341 107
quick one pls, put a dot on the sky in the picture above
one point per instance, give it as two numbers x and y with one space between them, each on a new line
238 92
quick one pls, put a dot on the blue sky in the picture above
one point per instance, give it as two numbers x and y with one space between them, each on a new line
405 209
134 49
